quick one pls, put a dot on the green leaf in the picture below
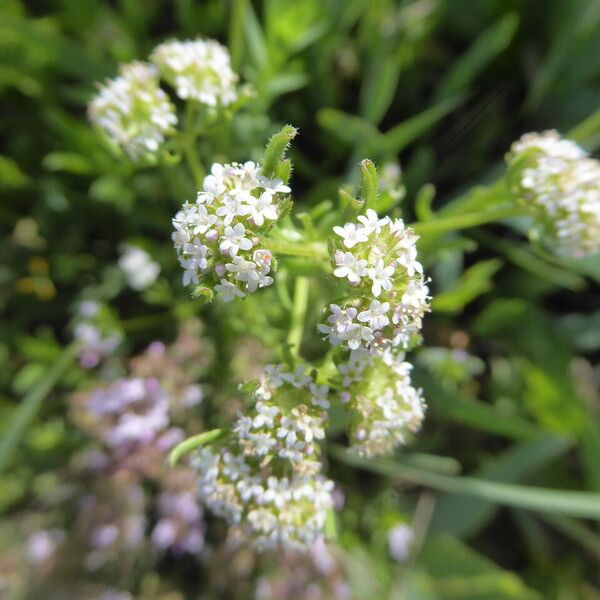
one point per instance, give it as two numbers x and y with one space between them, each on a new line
453 406
492 42
185 447
461 573
276 149
474 282
463 515
567 502
354 130
11 175
29 406
400 136
368 183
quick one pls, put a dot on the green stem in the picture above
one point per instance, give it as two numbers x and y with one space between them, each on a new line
30 405
236 33
299 306
190 149
467 220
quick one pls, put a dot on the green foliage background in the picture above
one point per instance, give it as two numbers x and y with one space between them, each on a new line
443 86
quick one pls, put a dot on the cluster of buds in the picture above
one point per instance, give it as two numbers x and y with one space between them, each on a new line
265 478
219 237
134 113
385 408
387 296
561 185
198 70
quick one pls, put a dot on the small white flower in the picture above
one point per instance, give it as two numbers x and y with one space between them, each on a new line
349 266
381 277
376 316
351 234
228 291
234 240
274 186
133 111
371 222
355 334
262 208
198 251
415 294
232 206
201 221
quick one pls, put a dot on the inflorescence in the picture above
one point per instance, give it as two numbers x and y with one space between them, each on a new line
387 292
134 113
198 70
265 477
561 185
219 237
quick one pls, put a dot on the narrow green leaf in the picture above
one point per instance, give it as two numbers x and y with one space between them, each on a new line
30 405
185 447
353 130
492 42
368 183
453 406
400 136
463 515
567 502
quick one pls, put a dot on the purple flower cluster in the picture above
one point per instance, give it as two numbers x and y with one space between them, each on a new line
135 411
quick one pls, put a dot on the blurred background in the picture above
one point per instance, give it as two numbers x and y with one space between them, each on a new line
435 92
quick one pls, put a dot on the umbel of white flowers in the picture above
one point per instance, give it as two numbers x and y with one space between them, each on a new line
387 292
133 112
198 70
265 478
561 185
219 237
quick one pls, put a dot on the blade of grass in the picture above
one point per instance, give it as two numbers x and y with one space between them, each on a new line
567 502
462 515
30 405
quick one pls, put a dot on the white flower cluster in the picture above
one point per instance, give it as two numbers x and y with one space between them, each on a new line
266 479
562 185
288 512
138 267
288 419
198 70
389 295
218 237
385 407
133 112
